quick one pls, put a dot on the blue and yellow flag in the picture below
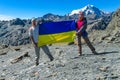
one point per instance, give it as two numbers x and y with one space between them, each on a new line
54 32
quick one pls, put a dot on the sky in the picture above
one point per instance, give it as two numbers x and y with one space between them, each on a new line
37 8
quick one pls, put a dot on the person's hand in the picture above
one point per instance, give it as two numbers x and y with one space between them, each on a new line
78 33
35 44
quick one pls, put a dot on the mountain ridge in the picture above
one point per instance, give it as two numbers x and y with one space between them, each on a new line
89 9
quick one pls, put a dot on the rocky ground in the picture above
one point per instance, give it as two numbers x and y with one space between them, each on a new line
17 63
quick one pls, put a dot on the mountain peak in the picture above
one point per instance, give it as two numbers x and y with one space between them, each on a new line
88 9
89 5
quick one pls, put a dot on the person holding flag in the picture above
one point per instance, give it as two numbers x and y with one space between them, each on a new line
81 26
33 33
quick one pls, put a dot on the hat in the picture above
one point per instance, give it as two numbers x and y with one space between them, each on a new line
81 13
33 19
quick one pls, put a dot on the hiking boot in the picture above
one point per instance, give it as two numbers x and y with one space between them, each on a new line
94 52
37 63
51 59
80 54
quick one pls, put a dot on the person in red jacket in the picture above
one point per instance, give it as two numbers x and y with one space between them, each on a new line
81 26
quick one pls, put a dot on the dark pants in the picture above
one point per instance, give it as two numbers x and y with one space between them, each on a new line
85 37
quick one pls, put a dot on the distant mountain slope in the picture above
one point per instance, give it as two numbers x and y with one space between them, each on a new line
112 32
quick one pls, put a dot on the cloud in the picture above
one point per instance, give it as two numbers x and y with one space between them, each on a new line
6 18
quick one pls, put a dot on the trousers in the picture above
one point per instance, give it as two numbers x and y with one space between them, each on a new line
45 49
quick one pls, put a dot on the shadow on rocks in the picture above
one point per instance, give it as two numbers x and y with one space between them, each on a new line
108 52
101 53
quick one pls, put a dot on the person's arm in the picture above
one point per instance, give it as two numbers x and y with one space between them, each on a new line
32 40
31 37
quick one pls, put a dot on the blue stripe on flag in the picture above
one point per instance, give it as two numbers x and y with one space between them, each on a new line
56 27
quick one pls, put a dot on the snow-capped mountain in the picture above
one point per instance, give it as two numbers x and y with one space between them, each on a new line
89 9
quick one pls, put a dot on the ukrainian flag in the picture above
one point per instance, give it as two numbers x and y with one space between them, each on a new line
54 32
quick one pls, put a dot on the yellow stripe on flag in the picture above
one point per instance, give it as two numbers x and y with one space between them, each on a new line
55 38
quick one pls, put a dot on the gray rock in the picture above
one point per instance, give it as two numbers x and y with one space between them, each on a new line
2 78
